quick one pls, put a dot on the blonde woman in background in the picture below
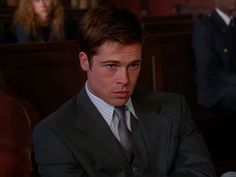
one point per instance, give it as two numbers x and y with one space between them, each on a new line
39 20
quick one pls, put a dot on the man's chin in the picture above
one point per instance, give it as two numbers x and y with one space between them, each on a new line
120 101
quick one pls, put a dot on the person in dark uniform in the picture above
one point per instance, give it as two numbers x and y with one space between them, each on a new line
214 43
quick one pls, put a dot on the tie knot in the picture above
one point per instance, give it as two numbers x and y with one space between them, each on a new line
120 112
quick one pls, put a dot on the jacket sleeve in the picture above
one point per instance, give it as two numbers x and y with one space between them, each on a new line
53 157
192 157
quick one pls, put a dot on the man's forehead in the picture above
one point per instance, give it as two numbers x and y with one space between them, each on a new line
116 46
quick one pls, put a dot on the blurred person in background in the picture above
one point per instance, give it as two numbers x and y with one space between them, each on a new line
214 46
39 20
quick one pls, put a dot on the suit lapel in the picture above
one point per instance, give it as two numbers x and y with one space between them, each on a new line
96 133
154 129
224 29
218 20
151 133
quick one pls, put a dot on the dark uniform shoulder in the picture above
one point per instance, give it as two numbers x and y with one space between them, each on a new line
206 18
205 23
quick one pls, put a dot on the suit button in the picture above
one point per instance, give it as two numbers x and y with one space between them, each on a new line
225 50
136 170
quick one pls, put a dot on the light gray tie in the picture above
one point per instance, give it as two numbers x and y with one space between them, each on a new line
123 131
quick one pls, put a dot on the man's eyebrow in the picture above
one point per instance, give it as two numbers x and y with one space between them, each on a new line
110 61
117 61
136 61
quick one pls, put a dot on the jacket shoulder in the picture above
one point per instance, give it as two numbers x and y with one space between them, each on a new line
205 20
58 117
164 99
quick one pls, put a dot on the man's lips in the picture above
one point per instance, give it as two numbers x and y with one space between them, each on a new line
121 94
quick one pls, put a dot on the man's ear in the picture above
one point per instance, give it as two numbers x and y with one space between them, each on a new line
84 61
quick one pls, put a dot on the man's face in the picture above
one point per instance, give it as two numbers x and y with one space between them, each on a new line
113 72
227 6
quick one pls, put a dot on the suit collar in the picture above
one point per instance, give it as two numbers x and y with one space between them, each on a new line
218 20
96 130
151 127
155 127
224 16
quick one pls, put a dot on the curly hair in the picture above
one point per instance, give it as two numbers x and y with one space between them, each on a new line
26 17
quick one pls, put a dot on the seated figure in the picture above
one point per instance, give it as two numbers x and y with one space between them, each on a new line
39 20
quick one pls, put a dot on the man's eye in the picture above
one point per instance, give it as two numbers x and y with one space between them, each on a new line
111 66
134 66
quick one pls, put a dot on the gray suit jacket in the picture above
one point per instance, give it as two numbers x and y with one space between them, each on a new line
75 141
214 46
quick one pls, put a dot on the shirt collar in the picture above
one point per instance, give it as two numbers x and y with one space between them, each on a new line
225 17
130 107
106 109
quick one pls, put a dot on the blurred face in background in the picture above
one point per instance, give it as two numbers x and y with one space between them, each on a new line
42 8
227 6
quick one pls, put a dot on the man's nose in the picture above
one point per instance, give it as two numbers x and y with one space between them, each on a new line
123 76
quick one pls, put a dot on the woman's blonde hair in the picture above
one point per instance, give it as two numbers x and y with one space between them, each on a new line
26 18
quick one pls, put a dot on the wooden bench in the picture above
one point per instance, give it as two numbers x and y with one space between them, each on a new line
46 73
167 18
170 59
15 136
169 26
6 19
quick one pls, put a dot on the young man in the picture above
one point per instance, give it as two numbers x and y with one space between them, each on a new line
89 136
214 46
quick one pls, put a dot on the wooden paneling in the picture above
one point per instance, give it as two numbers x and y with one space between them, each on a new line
46 73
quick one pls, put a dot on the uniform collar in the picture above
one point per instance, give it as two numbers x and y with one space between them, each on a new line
225 17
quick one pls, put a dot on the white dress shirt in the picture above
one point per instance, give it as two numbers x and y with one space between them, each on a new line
225 17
